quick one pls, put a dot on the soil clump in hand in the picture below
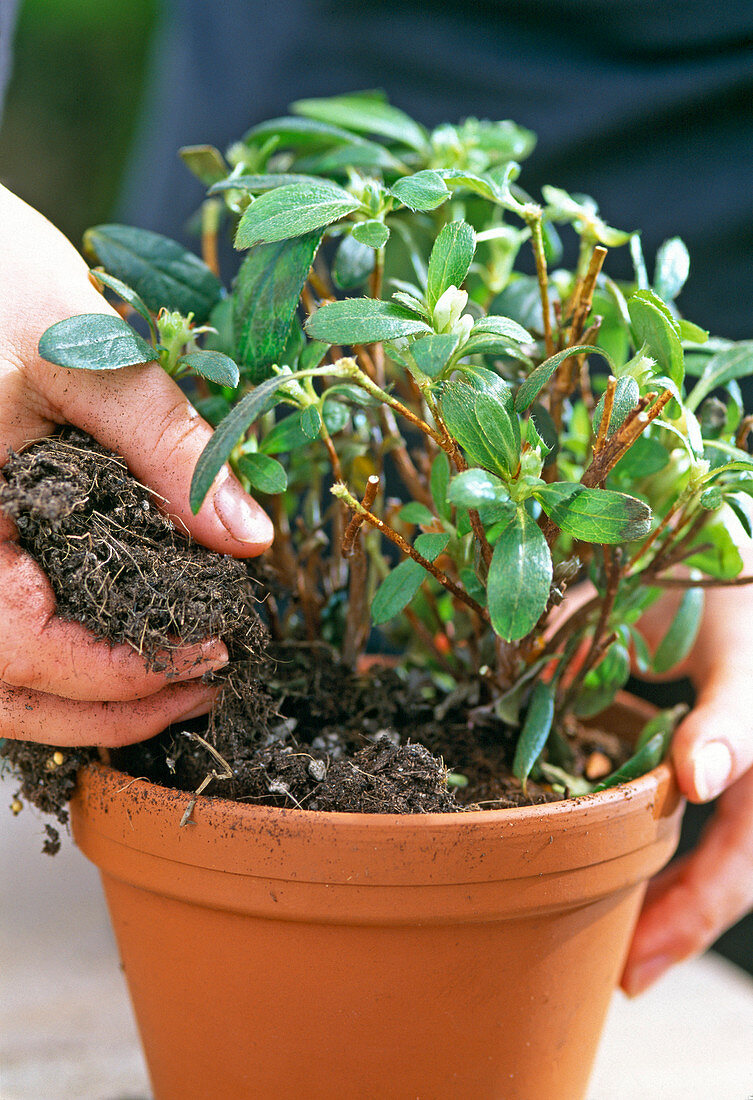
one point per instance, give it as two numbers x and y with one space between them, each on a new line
293 726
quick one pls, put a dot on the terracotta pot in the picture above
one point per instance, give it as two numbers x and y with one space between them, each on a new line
284 954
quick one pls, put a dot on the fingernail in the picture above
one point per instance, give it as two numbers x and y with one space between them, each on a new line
642 975
712 767
241 517
199 666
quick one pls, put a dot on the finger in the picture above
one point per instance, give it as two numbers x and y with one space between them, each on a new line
164 451
35 716
714 745
38 650
138 411
695 900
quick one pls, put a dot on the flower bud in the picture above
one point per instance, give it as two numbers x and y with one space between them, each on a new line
448 309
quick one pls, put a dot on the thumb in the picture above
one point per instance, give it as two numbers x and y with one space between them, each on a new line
143 415
714 745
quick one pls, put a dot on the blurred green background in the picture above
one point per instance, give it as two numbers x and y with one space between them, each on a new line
73 104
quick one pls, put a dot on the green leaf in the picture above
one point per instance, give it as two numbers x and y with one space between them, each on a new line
672 269
460 180
583 214
504 140
643 761
400 586
213 408
128 294
450 259
291 211
520 577
308 134
536 729
266 293
94 341
358 153
230 431
503 326
711 498
206 162
311 421
665 723
626 396
264 181
439 480
431 544
499 423
538 378
353 263
213 365
480 415
680 638
364 114
722 368
655 327
646 457
362 321
594 515
415 512
397 590
602 683
741 506
718 554
161 271
373 233
334 414
425 190
474 488
693 334
459 414
472 585
287 435
432 353
265 474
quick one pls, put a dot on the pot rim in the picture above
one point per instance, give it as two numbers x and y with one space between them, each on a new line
382 867
659 779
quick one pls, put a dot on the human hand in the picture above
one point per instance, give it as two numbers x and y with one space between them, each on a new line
699 896
58 684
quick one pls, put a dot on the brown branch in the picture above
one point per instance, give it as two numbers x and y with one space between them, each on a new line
606 415
582 299
741 439
333 456
618 444
672 554
651 539
439 575
537 241
357 520
356 619
585 297
405 465
599 643
702 582
319 285
210 224
429 640
475 519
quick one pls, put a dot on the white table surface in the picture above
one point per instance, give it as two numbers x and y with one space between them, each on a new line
66 1030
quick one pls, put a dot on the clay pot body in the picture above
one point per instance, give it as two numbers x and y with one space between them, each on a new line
281 954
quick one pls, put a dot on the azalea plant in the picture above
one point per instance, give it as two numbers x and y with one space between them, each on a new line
446 444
